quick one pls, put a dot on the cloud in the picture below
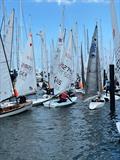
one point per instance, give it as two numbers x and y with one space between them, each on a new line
94 1
71 1
57 1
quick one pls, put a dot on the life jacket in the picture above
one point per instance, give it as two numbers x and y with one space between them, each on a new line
16 94
63 95
81 85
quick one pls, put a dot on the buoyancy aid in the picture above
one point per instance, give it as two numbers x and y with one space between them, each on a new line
64 95
16 94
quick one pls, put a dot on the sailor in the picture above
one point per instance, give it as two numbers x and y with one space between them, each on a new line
16 94
13 75
44 85
107 86
63 97
98 99
117 87
22 99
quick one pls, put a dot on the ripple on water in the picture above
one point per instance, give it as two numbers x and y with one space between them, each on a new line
71 133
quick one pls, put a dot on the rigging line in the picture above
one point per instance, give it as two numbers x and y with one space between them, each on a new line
1 25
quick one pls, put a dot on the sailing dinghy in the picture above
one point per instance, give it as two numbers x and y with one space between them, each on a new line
108 97
97 104
54 103
63 76
6 88
41 100
93 79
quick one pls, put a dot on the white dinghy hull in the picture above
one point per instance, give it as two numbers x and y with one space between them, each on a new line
54 103
80 91
39 101
108 97
94 105
118 126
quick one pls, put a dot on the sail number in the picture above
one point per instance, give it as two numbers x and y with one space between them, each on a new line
25 70
65 68
58 81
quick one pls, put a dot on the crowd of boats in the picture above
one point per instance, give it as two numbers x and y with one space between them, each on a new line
59 85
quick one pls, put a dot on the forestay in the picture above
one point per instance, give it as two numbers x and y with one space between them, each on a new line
26 80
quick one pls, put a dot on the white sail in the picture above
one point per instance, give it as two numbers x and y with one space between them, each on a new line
64 72
61 42
8 38
76 54
44 56
116 38
26 80
5 80
60 49
52 52
93 70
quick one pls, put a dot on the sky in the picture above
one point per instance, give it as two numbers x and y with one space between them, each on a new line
46 15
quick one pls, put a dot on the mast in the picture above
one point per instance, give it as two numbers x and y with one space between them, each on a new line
17 45
12 35
82 68
87 43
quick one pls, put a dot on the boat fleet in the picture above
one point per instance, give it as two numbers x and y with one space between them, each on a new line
23 87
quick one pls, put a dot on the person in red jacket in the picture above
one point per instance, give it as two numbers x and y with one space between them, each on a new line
63 97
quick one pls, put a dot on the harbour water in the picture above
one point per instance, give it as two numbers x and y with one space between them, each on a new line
71 133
